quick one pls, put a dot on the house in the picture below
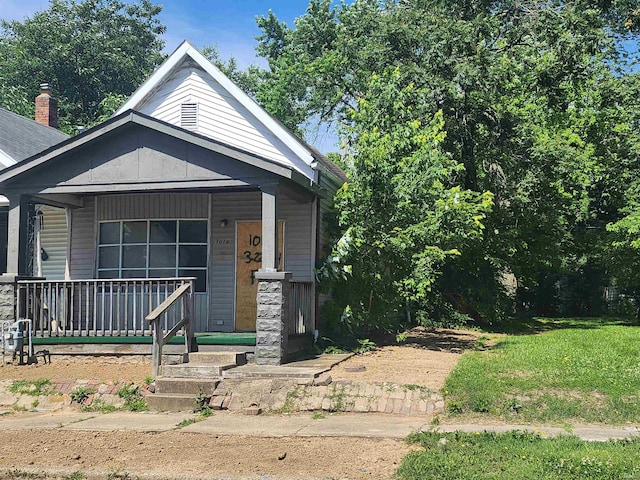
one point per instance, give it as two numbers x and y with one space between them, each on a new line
189 182
21 138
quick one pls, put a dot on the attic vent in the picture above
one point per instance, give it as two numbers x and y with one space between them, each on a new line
189 116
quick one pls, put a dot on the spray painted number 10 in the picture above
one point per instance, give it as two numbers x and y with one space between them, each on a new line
254 241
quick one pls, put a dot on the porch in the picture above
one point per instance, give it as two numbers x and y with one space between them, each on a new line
98 316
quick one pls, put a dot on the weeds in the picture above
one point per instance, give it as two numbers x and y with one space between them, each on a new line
99 405
35 388
80 394
188 421
338 398
202 405
133 399
77 475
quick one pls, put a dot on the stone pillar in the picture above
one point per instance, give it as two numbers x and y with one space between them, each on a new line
8 286
272 325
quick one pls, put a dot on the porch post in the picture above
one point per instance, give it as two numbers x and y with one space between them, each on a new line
269 228
17 226
17 235
272 326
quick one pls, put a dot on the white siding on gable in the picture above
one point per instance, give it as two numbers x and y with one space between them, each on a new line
220 116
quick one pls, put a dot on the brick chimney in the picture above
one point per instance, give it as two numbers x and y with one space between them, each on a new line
46 107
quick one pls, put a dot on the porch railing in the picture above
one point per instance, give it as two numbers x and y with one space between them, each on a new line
301 304
109 307
183 295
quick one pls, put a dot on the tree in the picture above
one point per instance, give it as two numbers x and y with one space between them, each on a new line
88 51
537 103
248 79
404 210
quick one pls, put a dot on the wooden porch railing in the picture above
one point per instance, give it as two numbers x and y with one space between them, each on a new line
160 339
113 307
301 308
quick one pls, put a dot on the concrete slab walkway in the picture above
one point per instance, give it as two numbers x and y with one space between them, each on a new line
299 425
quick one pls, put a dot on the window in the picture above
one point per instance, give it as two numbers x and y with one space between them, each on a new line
189 116
154 249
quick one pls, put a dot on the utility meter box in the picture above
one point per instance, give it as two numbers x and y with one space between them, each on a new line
14 338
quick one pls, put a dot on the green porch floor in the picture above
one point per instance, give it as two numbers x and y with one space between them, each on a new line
210 338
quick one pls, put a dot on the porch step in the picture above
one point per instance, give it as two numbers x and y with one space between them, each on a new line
218 358
201 371
186 386
268 372
171 402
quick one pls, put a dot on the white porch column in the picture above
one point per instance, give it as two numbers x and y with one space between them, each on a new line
269 228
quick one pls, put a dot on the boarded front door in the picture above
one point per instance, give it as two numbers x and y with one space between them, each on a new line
248 262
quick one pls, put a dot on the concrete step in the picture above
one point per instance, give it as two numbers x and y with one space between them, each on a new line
202 371
218 358
268 371
186 386
171 402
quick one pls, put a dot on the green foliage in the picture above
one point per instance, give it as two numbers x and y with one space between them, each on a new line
404 211
42 386
537 100
517 455
248 80
133 399
92 52
576 370
81 394
202 405
99 405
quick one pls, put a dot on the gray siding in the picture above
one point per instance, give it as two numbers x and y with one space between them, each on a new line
83 241
53 238
154 205
235 207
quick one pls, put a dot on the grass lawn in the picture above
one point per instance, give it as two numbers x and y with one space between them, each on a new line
517 455
557 370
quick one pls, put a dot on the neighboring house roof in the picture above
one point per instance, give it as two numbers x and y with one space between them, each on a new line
21 137
225 112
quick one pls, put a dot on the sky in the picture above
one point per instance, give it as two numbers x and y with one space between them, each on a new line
229 24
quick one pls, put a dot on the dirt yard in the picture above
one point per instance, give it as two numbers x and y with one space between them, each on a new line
425 358
125 455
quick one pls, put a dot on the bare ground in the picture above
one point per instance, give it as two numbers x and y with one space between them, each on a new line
425 358
188 455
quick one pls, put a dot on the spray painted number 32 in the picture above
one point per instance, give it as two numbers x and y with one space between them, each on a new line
252 256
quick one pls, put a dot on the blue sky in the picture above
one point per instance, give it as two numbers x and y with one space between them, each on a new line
230 24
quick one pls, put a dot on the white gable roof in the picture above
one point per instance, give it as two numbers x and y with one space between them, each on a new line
224 112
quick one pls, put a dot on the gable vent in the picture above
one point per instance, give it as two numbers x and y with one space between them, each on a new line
189 116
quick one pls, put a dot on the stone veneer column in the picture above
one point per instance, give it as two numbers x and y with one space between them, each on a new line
272 328
8 287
